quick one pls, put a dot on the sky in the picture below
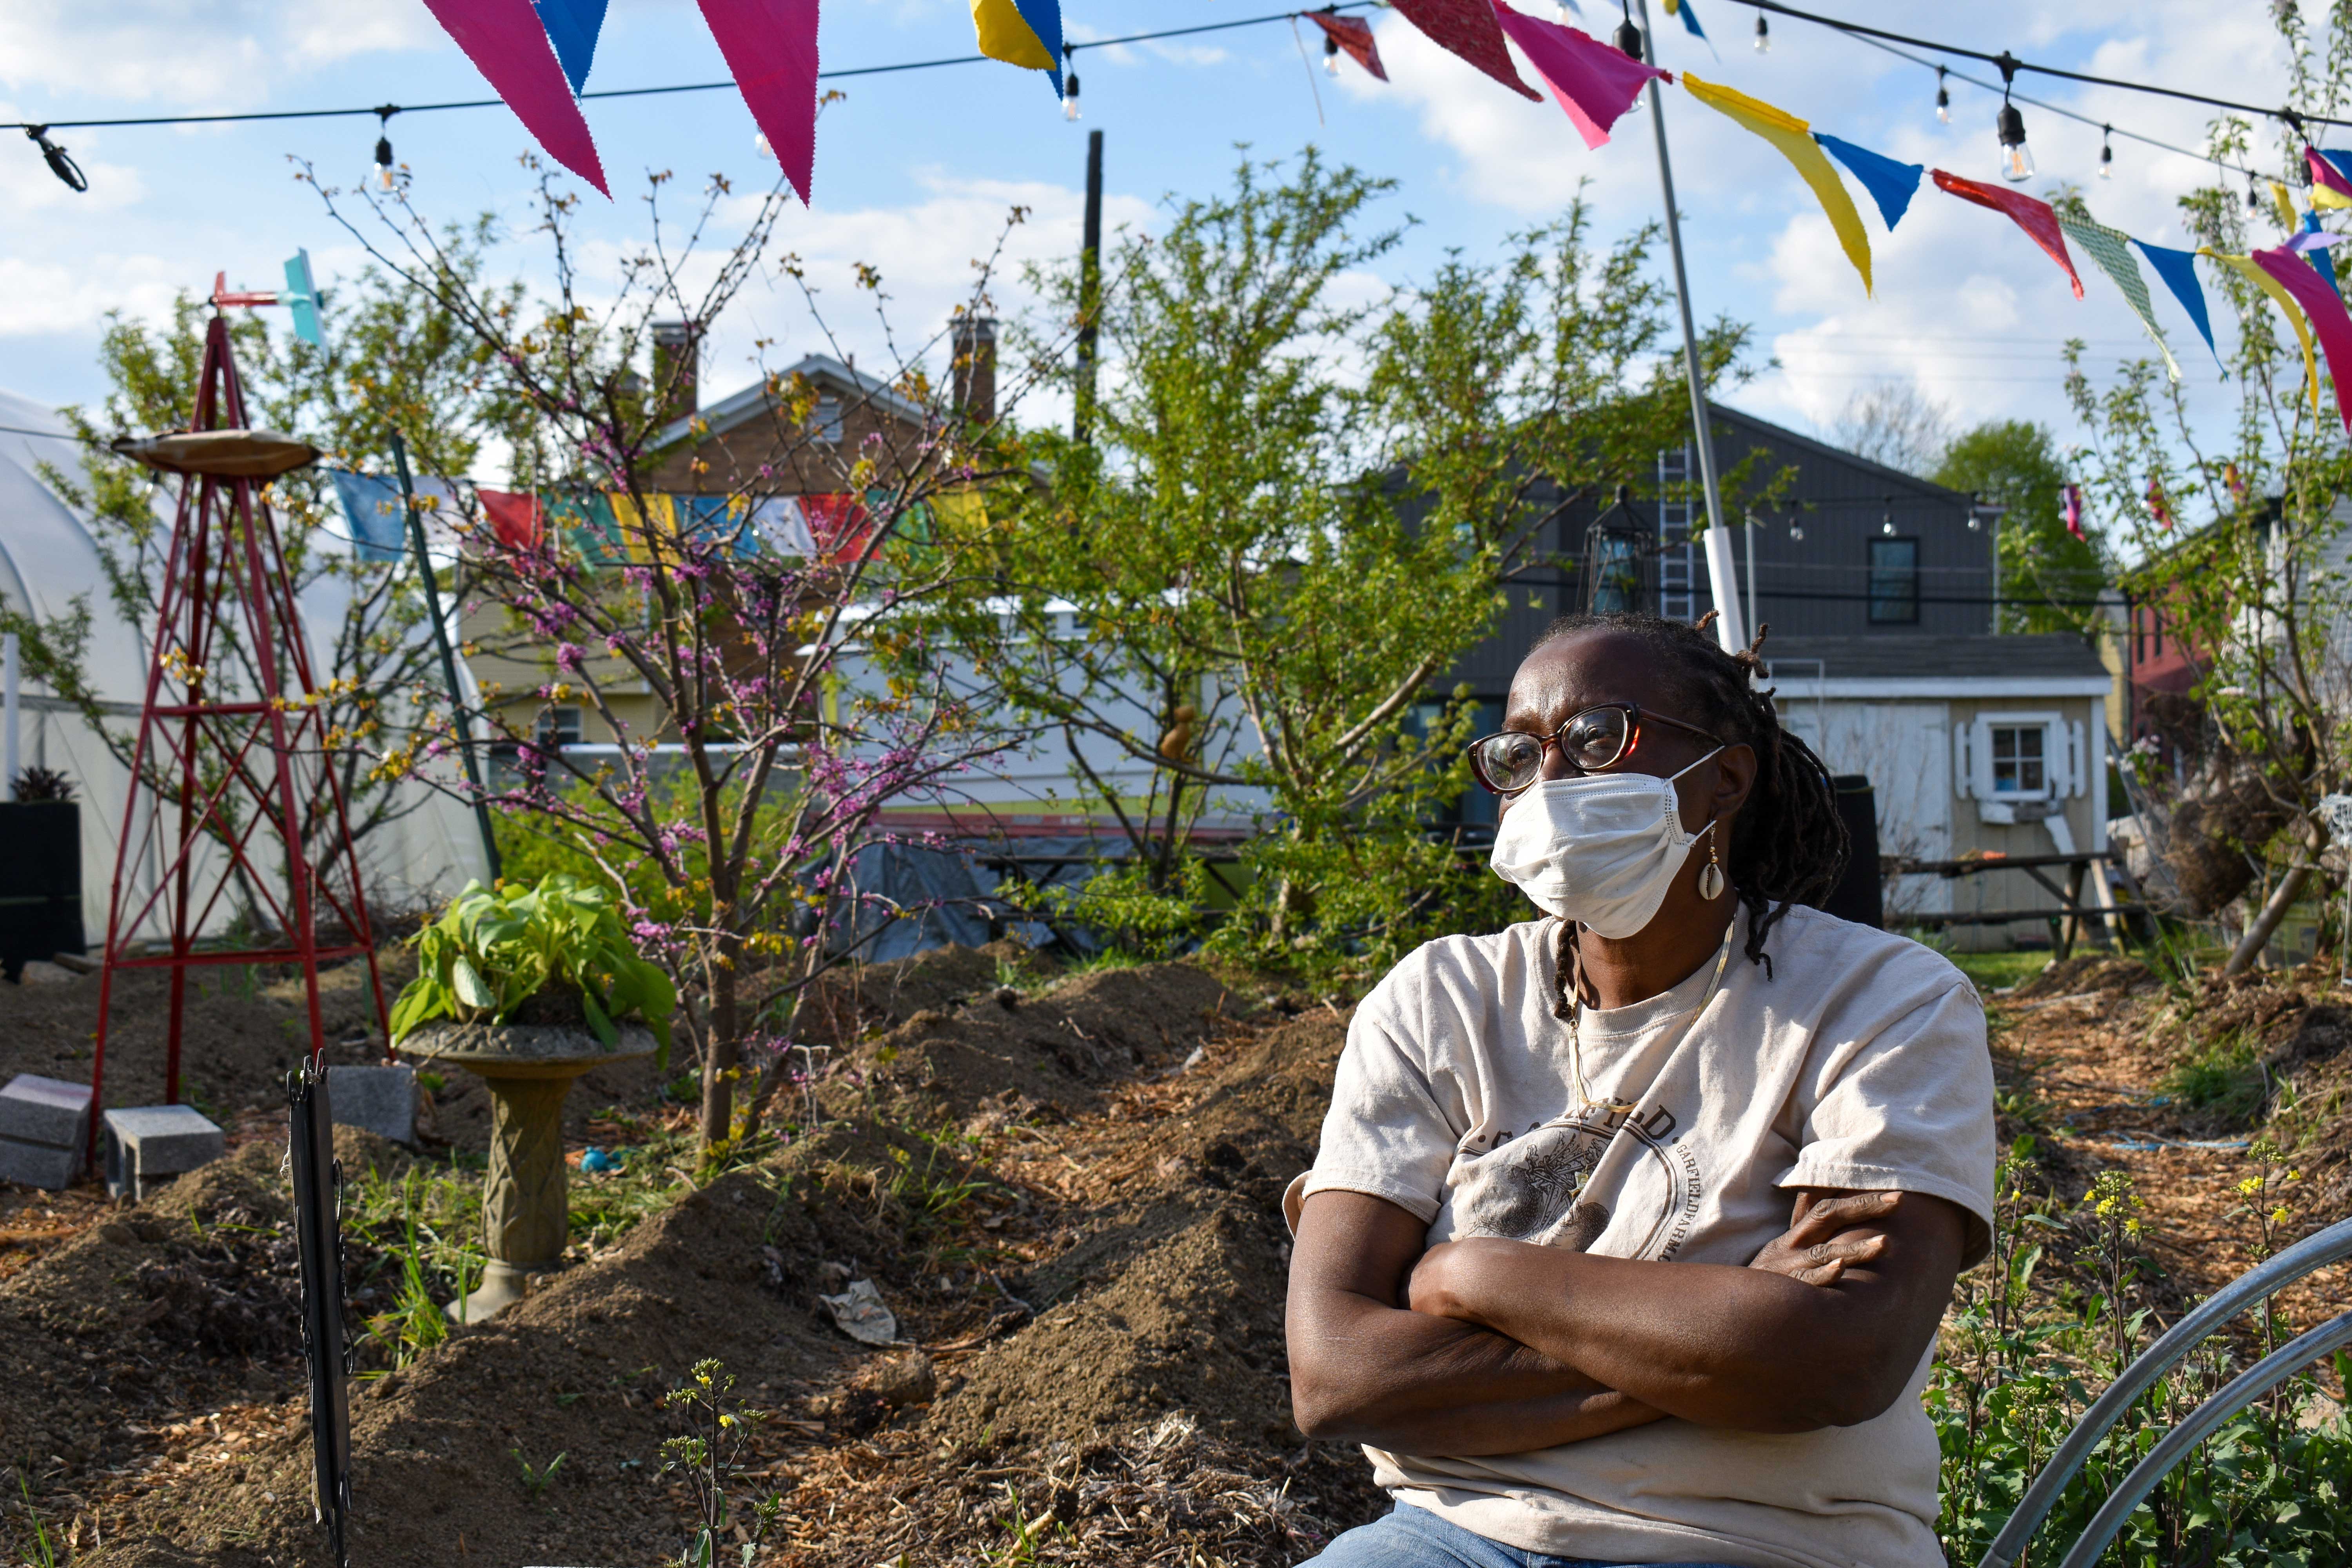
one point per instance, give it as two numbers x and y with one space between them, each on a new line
916 172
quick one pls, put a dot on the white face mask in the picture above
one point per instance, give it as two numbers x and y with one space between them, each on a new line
1601 850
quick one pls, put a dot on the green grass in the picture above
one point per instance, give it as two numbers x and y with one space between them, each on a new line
2225 1075
2000 970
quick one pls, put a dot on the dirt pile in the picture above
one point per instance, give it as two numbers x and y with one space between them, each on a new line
1068 1197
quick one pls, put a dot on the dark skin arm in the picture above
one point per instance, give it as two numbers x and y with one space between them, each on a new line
1752 1349
1365 1369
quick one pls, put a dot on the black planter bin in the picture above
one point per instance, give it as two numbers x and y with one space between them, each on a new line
40 882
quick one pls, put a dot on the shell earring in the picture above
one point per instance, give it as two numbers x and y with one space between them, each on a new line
1710 876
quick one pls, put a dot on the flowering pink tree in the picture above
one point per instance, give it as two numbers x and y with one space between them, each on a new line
770 704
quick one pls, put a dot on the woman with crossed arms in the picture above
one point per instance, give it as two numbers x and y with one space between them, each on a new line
1632 1226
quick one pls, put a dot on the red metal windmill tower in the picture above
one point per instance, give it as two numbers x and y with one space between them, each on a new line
234 802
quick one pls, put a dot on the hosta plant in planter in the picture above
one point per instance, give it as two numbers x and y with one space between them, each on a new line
555 953
529 988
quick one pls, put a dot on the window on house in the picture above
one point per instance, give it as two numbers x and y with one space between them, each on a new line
2158 619
2017 759
558 727
825 423
2139 637
1894 582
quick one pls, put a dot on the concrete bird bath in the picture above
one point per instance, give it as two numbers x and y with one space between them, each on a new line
529 1069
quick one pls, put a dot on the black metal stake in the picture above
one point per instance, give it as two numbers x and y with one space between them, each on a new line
318 1195
448 657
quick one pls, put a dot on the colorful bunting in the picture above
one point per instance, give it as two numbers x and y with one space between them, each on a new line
1593 82
572 26
2179 271
2331 177
1684 9
1354 35
586 523
1021 33
1468 29
2034 217
838 525
507 44
2284 200
2254 274
1890 182
1795 141
2158 508
2107 246
2325 311
2070 506
770 50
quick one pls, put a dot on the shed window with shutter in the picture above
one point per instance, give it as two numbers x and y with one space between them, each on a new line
2017 759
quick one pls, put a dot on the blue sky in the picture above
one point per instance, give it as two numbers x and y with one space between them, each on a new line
914 171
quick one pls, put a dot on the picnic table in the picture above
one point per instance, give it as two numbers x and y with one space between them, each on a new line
2065 922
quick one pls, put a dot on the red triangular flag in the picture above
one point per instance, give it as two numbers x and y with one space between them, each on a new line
1353 35
508 43
770 50
514 518
1593 82
2035 217
1468 29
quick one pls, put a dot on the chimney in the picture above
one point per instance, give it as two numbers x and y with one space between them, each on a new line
676 366
975 368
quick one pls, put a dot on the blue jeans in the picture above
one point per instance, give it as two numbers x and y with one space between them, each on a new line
1415 1538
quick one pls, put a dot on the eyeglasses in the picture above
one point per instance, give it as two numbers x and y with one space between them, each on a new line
1590 740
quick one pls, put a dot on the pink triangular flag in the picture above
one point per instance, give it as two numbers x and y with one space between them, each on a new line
508 43
1468 29
2037 219
770 50
1353 35
2329 322
1593 82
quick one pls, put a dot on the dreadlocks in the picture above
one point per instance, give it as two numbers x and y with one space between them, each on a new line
1788 844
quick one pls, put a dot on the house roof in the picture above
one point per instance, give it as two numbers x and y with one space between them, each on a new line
757 398
1894 478
1896 655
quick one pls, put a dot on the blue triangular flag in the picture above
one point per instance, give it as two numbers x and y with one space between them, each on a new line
2179 271
1690 17
1891 183
372 508
572 26
2318 257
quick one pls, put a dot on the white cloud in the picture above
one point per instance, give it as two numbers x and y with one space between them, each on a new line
226 54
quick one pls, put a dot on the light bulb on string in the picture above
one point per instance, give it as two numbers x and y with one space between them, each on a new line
1763 35
385 176
1567 13
1070 96
1796 531
1330 55
1628 37
1943 97
2254 202
2106 152
2009 128
60 162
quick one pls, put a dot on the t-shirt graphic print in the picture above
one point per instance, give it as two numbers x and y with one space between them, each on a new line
1675 1132
1539 1186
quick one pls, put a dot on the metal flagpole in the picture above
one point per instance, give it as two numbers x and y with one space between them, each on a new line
1722 574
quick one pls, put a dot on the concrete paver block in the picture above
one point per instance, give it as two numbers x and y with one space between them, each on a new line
147 1144
35 1110
38 1164
381 1100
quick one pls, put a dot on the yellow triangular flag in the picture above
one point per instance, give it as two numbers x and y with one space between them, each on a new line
2269 285
1794 138
2285 200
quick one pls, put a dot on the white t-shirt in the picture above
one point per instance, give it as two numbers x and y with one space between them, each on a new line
1860 1064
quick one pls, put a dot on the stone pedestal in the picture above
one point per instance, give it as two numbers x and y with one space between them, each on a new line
527 1068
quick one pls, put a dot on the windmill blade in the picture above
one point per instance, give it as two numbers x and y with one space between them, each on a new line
301 296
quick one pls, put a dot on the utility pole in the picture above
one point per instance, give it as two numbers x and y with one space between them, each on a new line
448 657
1722 573
1089 289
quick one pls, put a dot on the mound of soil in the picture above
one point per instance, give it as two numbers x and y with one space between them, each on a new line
1069 1199
2088 973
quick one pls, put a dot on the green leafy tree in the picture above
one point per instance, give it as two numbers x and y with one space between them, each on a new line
2238 525
1300 503
2049 580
